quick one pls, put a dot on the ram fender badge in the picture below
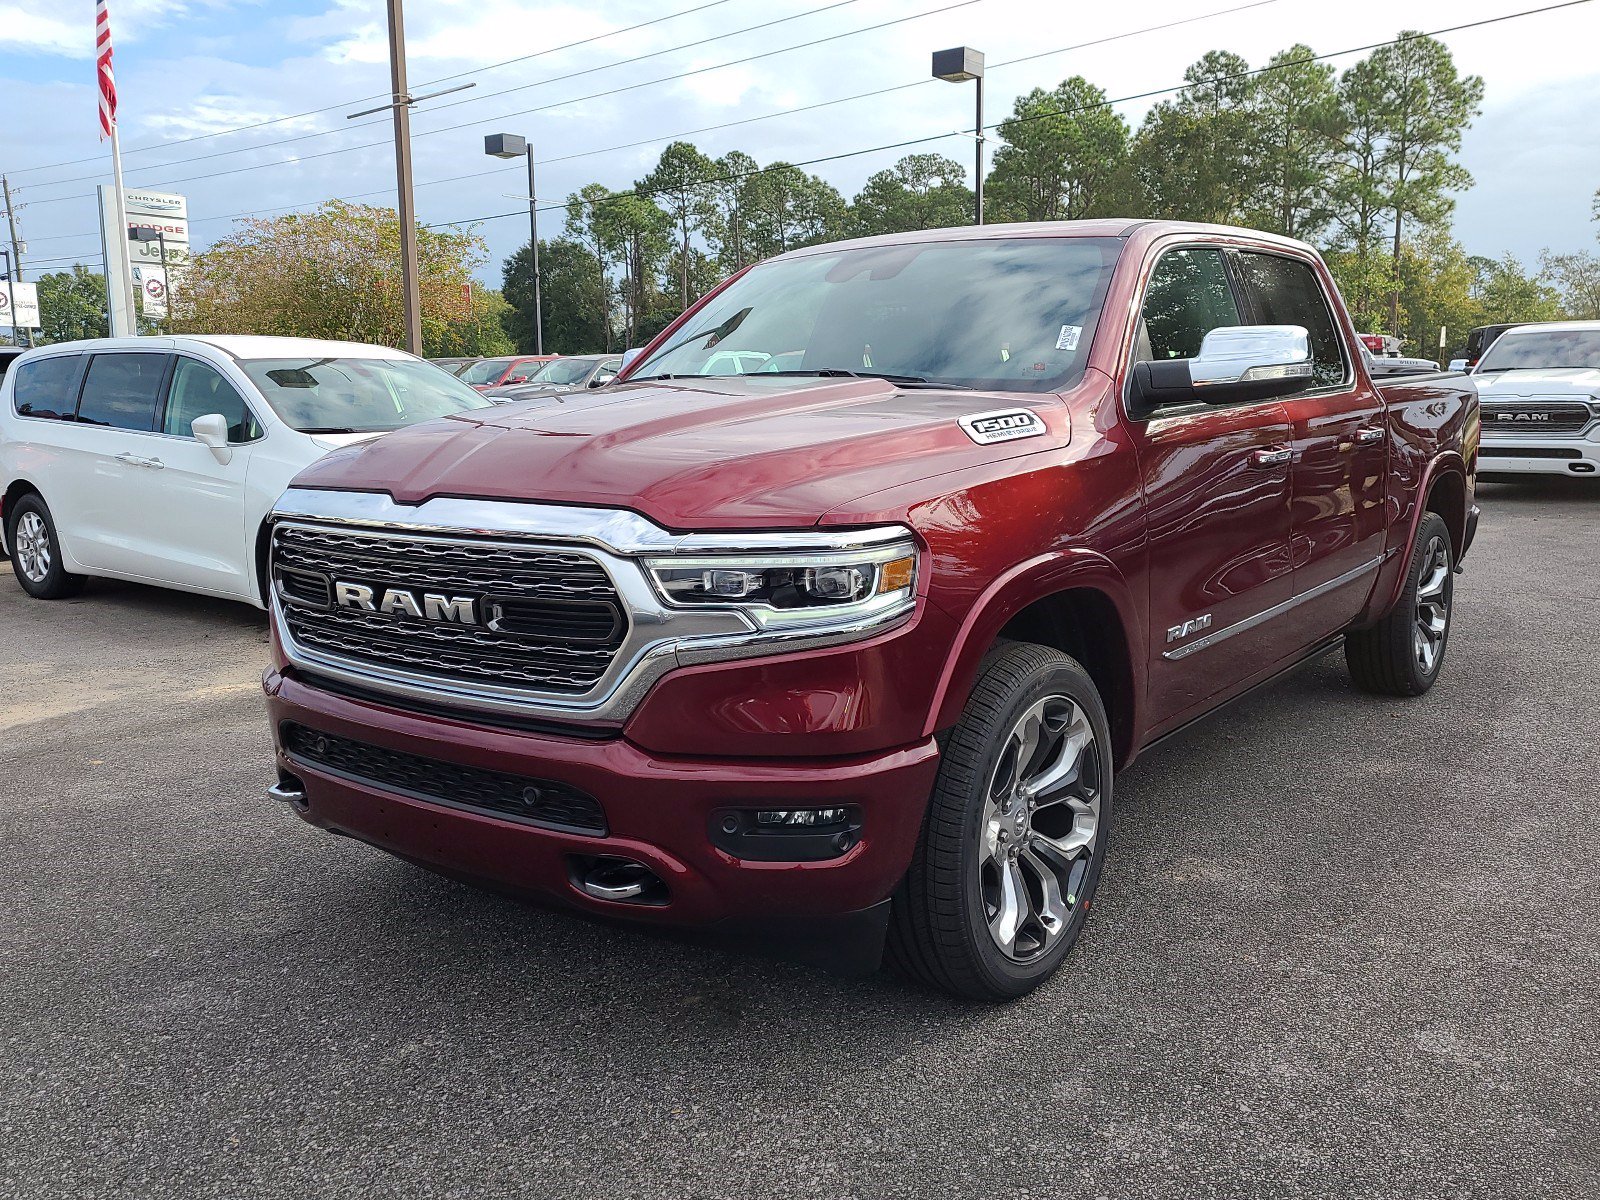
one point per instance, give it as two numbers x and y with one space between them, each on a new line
1193 625
1003 425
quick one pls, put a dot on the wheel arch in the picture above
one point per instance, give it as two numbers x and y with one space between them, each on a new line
1077 603
15 490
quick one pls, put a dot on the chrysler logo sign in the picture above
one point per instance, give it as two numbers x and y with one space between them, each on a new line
400 602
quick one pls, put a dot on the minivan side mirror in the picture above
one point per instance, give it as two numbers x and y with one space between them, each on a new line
211 430
1236 363
629 355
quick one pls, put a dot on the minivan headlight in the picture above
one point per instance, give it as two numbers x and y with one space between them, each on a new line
793 588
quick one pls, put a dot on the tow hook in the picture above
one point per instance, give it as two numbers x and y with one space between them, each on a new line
290 790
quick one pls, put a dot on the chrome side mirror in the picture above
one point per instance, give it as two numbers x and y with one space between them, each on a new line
211 431
1240 354
1236 363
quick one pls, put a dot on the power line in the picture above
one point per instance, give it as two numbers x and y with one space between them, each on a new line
481 121
1062 112
474 99
216 133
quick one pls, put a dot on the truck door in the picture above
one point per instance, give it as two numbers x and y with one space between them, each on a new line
1339 434
1216 489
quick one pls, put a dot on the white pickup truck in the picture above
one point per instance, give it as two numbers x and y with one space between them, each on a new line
1540 392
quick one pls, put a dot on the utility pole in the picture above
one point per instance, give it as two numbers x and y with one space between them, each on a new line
16 251
400 106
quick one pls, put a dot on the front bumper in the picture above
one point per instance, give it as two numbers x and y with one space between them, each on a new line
658 811
1577 456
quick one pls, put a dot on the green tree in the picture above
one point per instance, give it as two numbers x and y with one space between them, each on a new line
1063 153
1196 156
642 234
1436 283
333 272
1299 130
679 185
572 297
788 208
1577 277
1511 294
1424 105
589 228
727 227
72 305
921 191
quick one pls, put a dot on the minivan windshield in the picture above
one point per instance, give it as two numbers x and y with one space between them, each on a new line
1012 314
358 395
1543 349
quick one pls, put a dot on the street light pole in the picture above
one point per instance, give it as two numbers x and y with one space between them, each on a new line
11 299
511 145
957 65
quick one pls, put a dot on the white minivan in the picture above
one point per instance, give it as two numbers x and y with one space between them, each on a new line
159 459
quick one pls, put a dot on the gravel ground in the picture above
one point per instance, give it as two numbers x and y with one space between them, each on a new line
1343 945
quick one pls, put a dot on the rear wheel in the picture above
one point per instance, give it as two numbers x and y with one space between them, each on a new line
1011 848
1401 655
36 552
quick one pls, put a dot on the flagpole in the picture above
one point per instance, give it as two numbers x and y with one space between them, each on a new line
122 229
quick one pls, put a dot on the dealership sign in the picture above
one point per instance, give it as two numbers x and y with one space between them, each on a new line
167 214
150 285
19 305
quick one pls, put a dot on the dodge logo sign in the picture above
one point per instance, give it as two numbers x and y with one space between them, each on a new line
398 602
1007 425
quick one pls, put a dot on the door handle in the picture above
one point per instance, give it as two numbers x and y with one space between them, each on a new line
133 460
1369 435
1271 458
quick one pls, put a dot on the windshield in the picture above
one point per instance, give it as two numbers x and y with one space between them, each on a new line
487 371
1548 349
563 370
358 395
1006 315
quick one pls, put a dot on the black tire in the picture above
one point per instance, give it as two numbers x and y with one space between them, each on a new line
31 515
939 930
1389 659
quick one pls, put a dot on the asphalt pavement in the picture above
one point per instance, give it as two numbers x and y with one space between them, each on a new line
1342 946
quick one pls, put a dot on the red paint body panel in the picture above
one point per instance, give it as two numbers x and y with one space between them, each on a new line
1156 522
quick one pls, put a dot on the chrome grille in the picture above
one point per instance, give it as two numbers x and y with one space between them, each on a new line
1535 418
558 621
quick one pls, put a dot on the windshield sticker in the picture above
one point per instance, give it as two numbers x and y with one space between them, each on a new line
1006 425
1067 339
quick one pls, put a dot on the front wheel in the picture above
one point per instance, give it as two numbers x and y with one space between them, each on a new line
36 552
1401 655
1010 853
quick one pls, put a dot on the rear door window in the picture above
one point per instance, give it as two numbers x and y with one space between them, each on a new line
1286 291
121 390
47 387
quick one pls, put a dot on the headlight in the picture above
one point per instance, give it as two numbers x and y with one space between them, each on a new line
800 588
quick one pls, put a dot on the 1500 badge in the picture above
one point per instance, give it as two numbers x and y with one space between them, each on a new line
1006 425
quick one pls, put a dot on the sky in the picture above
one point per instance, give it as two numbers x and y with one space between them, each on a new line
189 69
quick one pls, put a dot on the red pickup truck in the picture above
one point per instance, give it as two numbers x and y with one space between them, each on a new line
860 637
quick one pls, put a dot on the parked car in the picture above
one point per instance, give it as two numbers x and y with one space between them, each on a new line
1383 368
1480 339
560 376
1541 400
489 373
8 355
158 459
455 365
861 645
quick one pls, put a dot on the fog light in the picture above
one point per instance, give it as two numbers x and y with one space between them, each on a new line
800 816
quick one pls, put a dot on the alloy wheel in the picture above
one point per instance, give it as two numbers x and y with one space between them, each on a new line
33 547
1432 619
1040 828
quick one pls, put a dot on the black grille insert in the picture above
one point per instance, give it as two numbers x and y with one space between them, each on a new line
1535 417
536 618
542 802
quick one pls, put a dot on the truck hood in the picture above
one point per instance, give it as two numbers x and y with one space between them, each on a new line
1577 383
738 452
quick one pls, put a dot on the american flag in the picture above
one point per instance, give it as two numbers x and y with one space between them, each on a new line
108 85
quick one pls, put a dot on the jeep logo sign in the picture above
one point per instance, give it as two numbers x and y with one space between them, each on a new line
1007 425
398 602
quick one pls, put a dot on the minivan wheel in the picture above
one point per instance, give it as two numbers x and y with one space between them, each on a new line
1401 655
36 552
1010 853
